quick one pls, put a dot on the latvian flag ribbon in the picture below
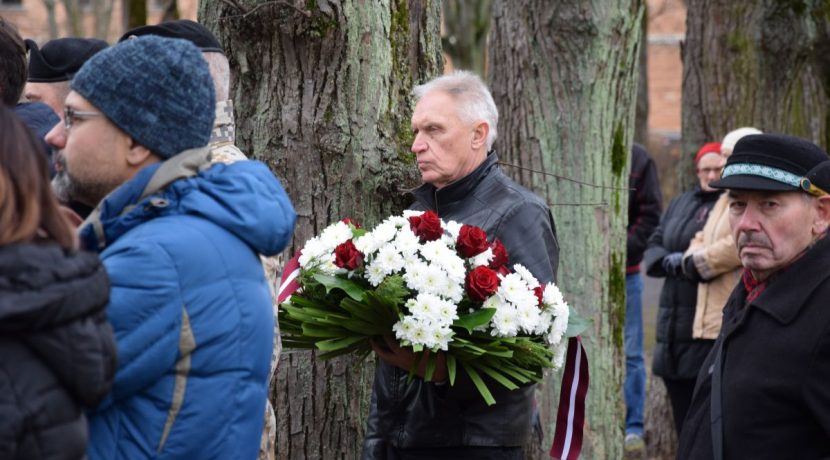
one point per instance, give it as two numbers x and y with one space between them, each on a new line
570 419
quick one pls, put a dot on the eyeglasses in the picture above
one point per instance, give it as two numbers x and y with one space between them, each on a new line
69 114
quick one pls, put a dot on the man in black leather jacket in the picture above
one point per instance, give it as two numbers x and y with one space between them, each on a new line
454 124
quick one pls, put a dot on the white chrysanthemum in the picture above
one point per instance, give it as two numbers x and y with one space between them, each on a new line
504 323
552 295
447 312
441 338
385 232
398 221
375 274
528 277
403 328
528 317
406 241
367 244
513 288
389 259
434 280
453 291
559 354
560 324
453 228
335 234
436 251
313 250
409 213
414 273
482 259
544 324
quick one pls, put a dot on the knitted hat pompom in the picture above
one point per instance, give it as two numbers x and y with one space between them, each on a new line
158 90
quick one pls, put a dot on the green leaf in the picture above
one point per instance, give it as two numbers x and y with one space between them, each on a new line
351 288
359 309
498 377
431 360
480 385
363 328
336 344
311 330
451 368
357 232
576 324
475 319
393 290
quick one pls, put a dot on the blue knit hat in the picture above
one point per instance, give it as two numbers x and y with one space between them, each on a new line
157 90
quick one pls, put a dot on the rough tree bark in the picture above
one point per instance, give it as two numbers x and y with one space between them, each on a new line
322 94
564 75
762 64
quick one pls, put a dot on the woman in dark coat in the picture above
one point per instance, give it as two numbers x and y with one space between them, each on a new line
57 349
677 357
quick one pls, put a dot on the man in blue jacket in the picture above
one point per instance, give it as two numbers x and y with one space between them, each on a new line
180 237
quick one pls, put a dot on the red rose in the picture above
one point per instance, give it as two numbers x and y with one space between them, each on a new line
347 256
481 283
539 291
349 221
499 259
472 241
427 226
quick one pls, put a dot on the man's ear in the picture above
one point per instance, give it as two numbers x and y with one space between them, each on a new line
137 154
480 132
822 220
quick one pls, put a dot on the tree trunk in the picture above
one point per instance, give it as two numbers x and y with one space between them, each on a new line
565 80
135 13
50 15
102 9
171 11
641 117
660 434
465 33
74 20
322 94
761 64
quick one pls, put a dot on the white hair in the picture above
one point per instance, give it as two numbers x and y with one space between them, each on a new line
220 71
474 99
733 137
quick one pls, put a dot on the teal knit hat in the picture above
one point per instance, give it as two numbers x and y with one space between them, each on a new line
157 90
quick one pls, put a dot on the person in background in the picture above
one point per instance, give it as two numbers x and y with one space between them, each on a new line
53 66
644 208
180 238
58 351
35 115
712 259
223 149
50 70
677 355
763 392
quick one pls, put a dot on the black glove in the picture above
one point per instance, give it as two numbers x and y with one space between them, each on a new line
673 264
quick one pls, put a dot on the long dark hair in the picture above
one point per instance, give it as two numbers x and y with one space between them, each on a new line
29 211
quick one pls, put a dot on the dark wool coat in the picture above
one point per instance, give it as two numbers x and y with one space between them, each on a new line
644 207
676 355
57 351
776 370
441 421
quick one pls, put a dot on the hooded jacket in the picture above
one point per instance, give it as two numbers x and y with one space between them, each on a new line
57 349
190 307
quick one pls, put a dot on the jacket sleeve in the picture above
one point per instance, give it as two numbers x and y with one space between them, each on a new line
146 310
644 217
528 234
715 259
655 250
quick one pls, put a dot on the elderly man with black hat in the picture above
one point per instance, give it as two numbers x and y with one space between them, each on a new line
180 238
763 391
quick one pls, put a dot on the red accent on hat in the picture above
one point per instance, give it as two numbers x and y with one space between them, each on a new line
711 147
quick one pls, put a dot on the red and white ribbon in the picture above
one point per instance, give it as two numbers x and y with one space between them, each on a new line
570 420
288 282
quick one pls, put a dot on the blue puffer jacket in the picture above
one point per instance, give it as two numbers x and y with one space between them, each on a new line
190 307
